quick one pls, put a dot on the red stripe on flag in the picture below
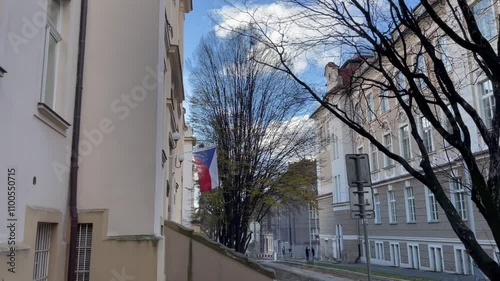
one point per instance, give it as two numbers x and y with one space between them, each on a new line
204 178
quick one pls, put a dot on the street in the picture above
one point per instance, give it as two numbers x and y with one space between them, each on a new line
294 273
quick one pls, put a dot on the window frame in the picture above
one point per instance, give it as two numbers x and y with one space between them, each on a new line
41 259
411 215
401 139
388 162
431 202
486 95
51 30
426 133
392 204
377 209
335 146
486 12
87 248
444 52
422 68
374 157
379 250
370 103
384 103
337 192
458 196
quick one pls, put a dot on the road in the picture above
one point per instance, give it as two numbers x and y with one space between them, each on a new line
290 273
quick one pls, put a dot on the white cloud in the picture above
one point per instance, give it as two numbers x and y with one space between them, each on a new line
291 26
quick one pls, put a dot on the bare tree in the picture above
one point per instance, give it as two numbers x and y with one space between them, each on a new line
425 58
255 116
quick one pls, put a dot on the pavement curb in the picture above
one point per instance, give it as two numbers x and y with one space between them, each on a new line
345 271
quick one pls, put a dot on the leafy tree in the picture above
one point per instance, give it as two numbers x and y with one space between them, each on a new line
424 58
255 116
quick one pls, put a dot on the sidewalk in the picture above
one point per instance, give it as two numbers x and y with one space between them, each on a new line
403 272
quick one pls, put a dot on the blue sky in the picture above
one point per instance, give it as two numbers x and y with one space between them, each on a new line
198 23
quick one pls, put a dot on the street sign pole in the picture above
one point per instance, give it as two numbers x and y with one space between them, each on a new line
362 211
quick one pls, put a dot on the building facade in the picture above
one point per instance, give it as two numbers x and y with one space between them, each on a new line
409 228
130 177
36 113
289 230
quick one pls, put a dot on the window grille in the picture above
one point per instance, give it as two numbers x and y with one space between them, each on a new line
42 250
83 247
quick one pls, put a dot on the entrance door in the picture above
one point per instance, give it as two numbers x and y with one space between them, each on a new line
395 254
436 258
339 241
414 256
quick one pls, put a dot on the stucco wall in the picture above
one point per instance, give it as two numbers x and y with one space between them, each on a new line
190 256
119 256
29 145
120 160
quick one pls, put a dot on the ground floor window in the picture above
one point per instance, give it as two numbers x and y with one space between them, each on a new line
42 250
83 248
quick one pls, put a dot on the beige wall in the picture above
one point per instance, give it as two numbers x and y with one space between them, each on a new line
190 256
130 255
25 254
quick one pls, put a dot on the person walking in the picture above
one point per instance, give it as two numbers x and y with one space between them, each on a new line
307 254
312 254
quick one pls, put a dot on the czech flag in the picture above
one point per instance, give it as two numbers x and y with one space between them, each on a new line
206 165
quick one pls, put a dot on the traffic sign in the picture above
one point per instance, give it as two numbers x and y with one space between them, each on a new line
356 215
354 198
363 168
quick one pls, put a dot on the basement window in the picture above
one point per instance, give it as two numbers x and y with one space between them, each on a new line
42 250
83 248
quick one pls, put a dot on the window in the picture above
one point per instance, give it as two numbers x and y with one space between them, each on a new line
357 113
436 258
326 132
52 38
442 49
392 206
83 247
487 102
458 197
388 145
401 84
410 205
374 157
463 262
379 251
376 208
446 121
363 252
400 79
483 12
335 148
404 139
421 68
432 206
371 112
42 249
426 133
384 103
336 187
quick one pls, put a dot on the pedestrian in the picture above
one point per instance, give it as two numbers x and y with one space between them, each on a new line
307 254
312 254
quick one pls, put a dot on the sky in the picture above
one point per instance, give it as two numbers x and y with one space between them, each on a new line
196 25
199 23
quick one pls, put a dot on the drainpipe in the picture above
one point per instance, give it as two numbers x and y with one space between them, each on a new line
75 142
